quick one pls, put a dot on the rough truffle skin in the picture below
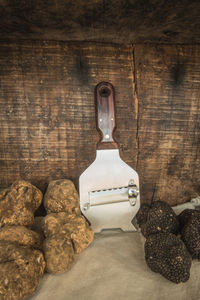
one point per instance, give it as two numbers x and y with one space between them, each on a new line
166 254
72 226
22 236
19 203
190 235
185 216
20 270
61 196
160 217
59 254
67 232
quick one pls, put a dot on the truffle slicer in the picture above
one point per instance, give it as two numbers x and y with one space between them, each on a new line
109 188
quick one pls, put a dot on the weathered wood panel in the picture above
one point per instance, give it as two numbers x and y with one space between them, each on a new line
111 21
47 114
47 108
168 92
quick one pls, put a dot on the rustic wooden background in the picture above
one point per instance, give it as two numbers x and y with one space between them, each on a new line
47 115
110 21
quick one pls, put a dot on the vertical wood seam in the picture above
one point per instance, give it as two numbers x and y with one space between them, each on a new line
137 108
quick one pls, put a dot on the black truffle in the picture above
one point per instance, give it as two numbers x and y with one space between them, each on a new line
166 254
190 235
159 217
185 216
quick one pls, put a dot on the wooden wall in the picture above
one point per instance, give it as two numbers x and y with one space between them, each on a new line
47 116
110 21
168 89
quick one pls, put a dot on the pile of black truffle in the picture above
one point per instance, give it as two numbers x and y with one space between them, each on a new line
171 241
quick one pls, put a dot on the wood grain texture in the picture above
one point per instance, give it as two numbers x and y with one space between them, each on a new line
47 115
110 21
168 92
48 126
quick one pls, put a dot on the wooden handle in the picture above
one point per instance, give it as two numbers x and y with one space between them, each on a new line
105 107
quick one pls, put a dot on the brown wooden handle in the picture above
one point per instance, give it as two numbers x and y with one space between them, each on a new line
105 107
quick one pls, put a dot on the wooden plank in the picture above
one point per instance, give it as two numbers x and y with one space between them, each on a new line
111 21
47 108
48 118
168 92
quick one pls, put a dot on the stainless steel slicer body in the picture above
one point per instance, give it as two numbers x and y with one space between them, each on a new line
109 188
109 192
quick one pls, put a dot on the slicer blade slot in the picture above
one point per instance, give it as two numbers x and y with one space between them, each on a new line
114 195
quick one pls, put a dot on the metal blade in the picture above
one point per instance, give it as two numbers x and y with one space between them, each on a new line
103 197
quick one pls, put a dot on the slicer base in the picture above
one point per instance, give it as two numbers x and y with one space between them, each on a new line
110 216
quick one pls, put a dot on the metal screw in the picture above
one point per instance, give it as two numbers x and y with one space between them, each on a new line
131 182
107 136
86 206
132 201
133 192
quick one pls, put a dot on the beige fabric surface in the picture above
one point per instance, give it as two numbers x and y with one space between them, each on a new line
113 267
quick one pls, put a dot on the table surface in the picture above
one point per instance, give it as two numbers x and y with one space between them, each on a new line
114 267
